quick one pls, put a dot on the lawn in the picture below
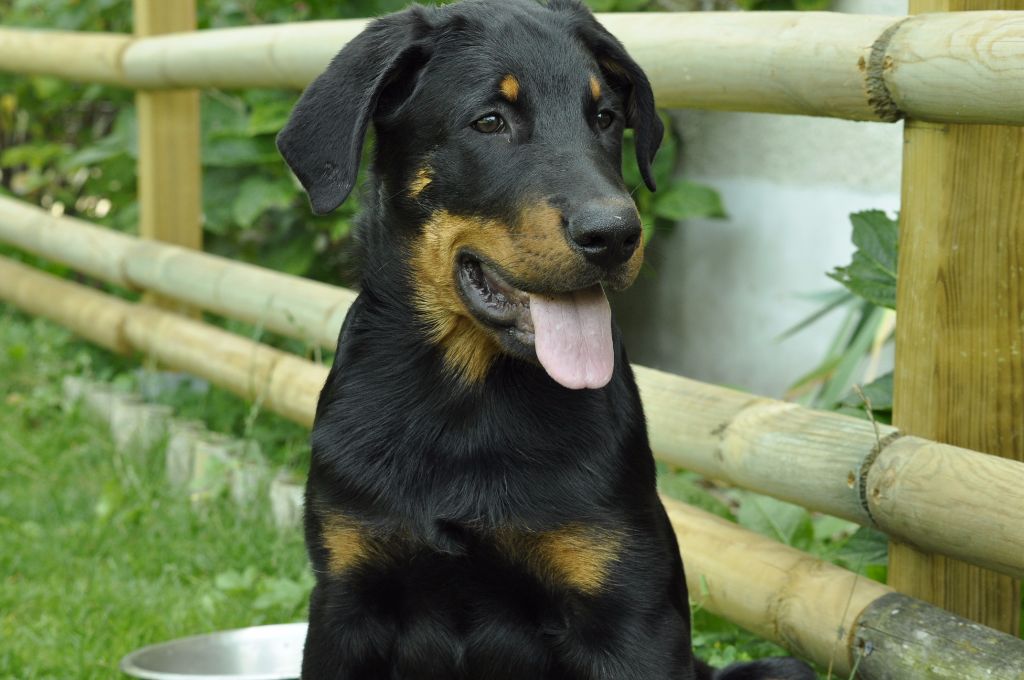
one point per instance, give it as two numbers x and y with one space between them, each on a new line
100 557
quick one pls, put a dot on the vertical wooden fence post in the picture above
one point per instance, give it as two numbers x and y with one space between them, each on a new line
960 329
170 199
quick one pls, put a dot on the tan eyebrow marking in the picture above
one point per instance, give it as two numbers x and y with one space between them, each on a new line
509 88
595 88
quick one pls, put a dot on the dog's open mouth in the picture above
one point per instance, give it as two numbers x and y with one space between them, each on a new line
570 332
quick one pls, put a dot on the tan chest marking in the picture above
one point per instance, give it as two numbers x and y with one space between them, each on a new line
576 556
347 544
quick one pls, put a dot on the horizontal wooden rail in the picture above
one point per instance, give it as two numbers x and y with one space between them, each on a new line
961 67
282 382
942 498
308 310
816 609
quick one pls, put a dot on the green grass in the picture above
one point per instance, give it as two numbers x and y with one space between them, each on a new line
99 557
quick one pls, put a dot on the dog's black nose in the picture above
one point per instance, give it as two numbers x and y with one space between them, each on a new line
606 233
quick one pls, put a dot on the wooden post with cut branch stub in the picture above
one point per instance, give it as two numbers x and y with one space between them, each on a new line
170 198
960 335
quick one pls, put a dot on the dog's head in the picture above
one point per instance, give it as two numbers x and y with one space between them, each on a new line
498 152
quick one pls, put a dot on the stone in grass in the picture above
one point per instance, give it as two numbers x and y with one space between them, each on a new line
136 425
287 494
249 475
213 460
99 399
182 437
73 388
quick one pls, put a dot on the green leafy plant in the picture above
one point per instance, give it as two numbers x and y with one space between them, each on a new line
869 303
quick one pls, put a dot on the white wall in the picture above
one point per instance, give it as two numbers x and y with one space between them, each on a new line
717 293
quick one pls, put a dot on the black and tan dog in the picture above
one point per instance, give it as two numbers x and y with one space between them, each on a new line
481 503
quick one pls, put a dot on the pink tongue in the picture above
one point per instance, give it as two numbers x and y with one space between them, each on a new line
573 337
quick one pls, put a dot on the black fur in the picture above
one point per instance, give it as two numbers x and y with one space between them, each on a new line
432 468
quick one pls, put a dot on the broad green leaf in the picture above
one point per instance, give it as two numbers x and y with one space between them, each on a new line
684 200
879 393
269 117
865 548
683 486
257 195
876 235
237 152
784 522
872 273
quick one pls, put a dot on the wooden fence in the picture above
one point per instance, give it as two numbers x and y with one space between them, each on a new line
959 78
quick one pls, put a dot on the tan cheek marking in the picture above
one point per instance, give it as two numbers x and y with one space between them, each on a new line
509 87
595 88
534 249
576 556
542 249
420 181
468 349
346 544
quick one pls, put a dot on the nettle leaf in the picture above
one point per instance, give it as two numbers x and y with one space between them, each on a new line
259 194
683 486
269 117
237 152
684 200
784 522
877 236
865 548
879 393
872 273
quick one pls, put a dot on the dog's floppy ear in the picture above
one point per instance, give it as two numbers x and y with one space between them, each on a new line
626 77
323 139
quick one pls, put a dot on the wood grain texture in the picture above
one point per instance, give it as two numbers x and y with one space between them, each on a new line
170 179
286 304
91 57
960 336
901 638
807 605
86 312
945 499
953 68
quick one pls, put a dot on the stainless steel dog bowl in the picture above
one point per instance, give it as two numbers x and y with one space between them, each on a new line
258 653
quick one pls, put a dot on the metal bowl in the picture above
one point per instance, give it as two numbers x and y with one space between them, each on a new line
257 653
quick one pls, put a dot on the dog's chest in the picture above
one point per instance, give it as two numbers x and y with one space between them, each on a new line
573 557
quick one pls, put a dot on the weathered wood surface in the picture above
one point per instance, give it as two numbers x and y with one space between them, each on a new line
807 605
285 304
965 68
898 637
169 169
280 381
826 462
960 338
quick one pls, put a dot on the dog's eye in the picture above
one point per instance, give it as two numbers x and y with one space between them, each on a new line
489 124
605 119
